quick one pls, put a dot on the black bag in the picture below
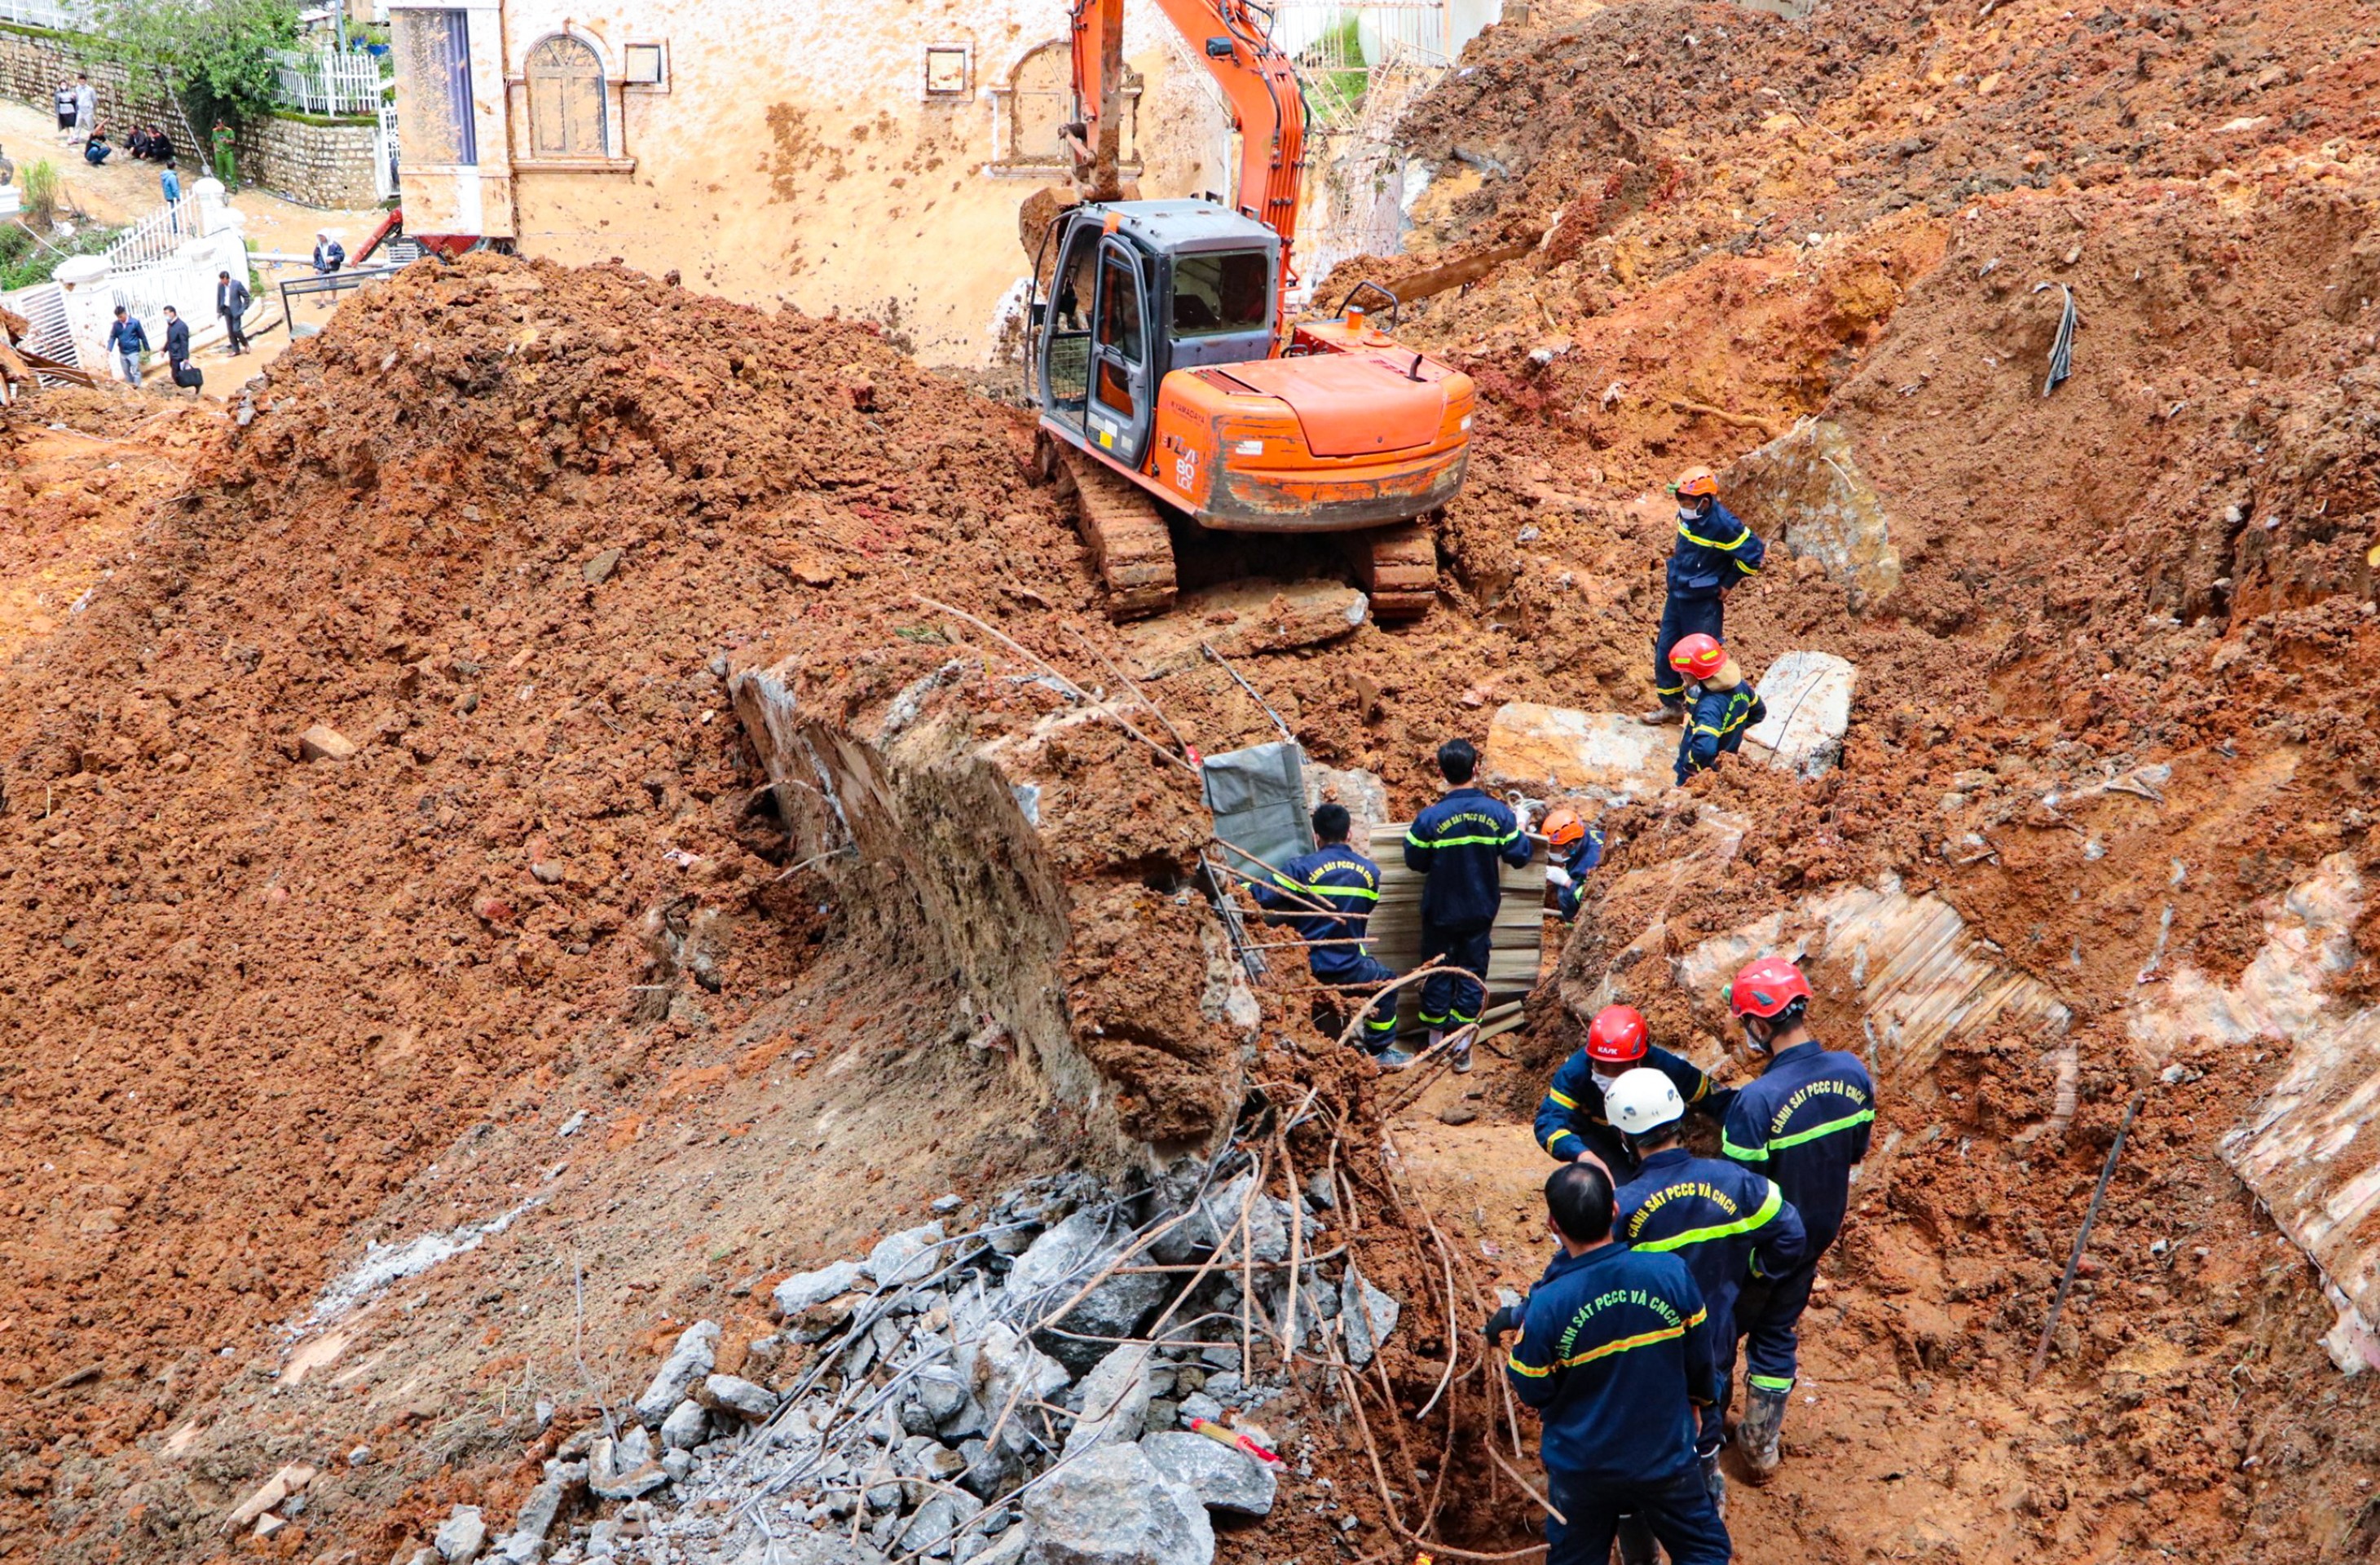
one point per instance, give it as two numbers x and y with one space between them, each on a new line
188 375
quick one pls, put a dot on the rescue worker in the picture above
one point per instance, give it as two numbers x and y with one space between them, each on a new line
1724 704
1712 551
1726 1222
1615 1356
1456 845
1573 1118
1580 847
1336 878
1804 1124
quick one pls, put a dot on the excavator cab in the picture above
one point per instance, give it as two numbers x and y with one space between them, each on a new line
1141 289
1161 367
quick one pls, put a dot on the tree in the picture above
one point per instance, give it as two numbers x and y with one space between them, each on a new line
213 60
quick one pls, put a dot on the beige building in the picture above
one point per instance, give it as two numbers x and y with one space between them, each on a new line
870 160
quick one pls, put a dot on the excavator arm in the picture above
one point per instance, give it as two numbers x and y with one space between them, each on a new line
1267 110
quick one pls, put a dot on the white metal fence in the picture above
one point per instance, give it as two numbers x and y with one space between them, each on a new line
1342 47
156 237
324 81
64 15
45 307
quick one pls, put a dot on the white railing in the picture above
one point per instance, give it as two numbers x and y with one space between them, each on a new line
1341 47
62 16
43 306
156 237
324 81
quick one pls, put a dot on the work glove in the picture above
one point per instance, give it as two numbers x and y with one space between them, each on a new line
1557 876
1506 1318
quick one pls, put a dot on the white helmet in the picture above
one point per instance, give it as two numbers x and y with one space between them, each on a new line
1643 1100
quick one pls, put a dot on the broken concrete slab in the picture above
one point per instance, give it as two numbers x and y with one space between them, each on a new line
1056 1264
1805 487
2296 1151
1222 1478
1922 976
1809 699
1111 1506
1364 793
686 1426
1608 756
688 1361
1115 1399
626 1468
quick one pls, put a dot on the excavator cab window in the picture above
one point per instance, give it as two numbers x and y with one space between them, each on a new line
1231 291
1121 408
1068 361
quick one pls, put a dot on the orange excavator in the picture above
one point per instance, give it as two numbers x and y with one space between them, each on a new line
1171 381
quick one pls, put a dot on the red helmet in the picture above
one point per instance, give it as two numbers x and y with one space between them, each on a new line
1697 657
1769 989
1616 1036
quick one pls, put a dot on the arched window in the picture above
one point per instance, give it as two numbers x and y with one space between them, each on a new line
1041 98
566 99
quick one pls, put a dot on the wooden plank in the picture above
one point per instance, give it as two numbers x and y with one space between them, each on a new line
1515 941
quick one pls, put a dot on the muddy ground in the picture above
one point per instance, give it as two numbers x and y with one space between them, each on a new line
270 1011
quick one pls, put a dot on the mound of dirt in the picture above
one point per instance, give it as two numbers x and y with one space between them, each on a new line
501 530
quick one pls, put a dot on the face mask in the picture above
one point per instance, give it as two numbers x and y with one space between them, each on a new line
1688 514
1604 1081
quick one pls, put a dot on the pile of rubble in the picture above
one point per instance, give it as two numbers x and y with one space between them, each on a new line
1069 1381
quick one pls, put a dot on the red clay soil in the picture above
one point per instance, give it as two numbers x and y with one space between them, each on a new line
257 996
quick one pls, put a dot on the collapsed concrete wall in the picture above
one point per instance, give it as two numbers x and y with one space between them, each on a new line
994 862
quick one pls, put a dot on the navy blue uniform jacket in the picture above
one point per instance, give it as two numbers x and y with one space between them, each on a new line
1457 843
1712 554
1726 1222
1584 854
1338 876
1715 725
1614 1353
1573 1101
1805 1123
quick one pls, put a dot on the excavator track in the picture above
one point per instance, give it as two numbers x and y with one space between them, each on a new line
1127 538
1398 566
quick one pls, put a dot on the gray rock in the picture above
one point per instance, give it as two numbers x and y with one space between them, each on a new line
539 1512
677 1464
685 1427
990 1470
1198 1404
1164 1413
1111 1506
733 1393
802 1290
1057 1263
1220 1357
624 1469
934 1529
1222 1478
1006 1549
1223 1383
994 1368
1213 1225
943 1206
687 1362
911 1256
460 1537
940 1393
1365 1314
1115 1399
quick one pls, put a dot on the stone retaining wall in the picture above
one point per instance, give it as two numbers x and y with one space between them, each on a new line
310 160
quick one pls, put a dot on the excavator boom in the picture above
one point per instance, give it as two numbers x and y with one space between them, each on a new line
1267 110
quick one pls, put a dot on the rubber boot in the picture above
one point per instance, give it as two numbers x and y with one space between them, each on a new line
1464 1038
1662 715
1714 1482
1756 1437
1635 1541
